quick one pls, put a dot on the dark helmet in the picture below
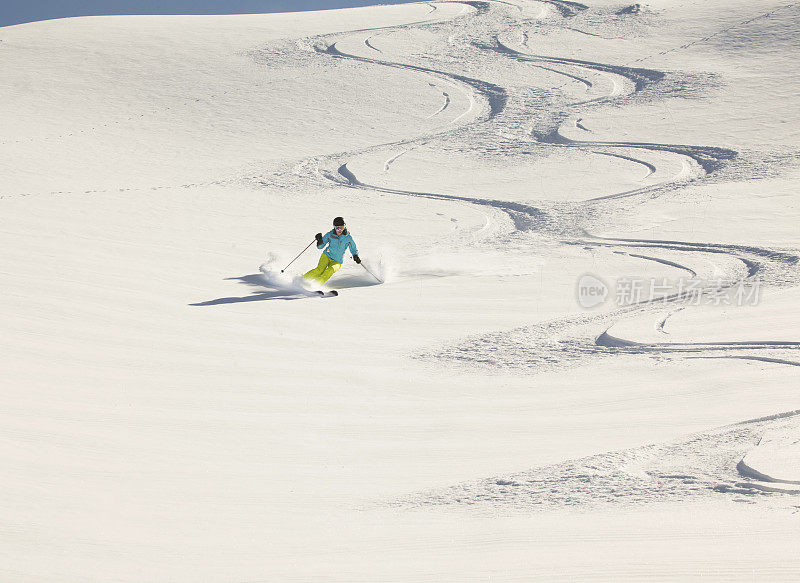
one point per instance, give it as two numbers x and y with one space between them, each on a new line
338 222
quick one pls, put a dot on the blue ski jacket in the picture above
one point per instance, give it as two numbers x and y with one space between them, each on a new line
337 245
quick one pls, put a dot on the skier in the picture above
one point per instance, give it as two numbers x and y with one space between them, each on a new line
337 241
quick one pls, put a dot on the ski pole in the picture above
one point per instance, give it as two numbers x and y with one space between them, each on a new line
298 256
368 271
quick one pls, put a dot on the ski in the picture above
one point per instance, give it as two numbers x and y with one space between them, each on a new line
328 294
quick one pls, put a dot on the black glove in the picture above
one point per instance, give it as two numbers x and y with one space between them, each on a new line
357 259
318 237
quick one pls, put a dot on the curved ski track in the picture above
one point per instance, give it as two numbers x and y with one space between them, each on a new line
710 158
639 76
494 94
782 266
697 466
369 44
650 167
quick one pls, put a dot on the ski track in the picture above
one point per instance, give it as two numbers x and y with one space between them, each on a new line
755 358
662 324
605 339
391 161
650 167
592 34
444 106
756 259
689 270
369 44
706 465
701 465
710 158
586 82
495 95
640 77
525 217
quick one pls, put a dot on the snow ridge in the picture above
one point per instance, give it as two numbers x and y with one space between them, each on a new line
703 465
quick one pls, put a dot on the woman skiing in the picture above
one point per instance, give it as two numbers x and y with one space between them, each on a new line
337 241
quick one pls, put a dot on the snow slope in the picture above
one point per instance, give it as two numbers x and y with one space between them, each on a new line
169 415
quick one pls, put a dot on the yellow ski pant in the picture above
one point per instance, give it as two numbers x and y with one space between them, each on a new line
324 270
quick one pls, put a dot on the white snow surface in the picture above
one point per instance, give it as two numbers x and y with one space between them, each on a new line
174 408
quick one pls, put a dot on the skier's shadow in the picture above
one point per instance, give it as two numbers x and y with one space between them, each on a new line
257 281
